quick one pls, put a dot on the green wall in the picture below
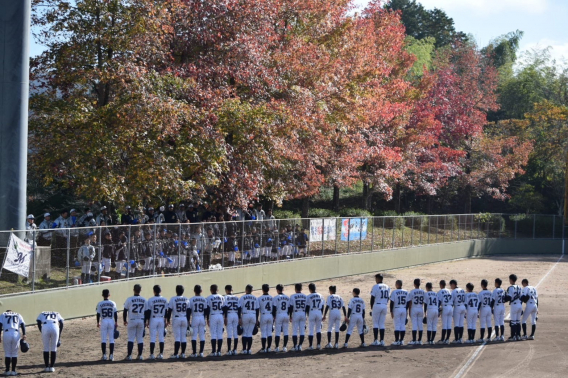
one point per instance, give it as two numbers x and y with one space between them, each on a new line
81 301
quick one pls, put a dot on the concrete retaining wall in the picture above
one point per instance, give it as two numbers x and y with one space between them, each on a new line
81 301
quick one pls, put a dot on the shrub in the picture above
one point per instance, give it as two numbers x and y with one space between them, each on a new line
285 214
353 213
321 213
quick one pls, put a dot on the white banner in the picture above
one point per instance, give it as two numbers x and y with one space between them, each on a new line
322 228
18 256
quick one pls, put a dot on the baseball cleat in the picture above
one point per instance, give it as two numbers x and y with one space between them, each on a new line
104 357
200 355
395 343
345 346
212 354
277 350
174 357
441 342
182 355
229 353
382 343
262 351
310 348
401 342
244 351
512 338
140 358
128 358
412 342
52 369
363 345
152 357
284 350
418 342
318 347
160 356
531 338
375 343
336 346
47 370
193 355
455 342
269 350
447 342
111 357
480 341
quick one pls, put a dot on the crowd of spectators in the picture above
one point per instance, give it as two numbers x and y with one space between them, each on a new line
147 241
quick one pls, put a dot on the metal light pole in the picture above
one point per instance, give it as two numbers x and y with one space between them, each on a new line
14 93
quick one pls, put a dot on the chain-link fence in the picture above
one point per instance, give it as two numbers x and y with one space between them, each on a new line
90 255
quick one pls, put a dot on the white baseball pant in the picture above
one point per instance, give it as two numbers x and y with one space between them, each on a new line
298 323
179 329
379 315
355 321
499 315
282 324
50 337
86 267
314 322
334 321
107 331
416 316
198 326
530 310
266 322
135 330
106 264
11 342
249 321
216 326
516 313
232 324
485 317
157 328
472 318
459 316
120 265
447 316
399 319
432 320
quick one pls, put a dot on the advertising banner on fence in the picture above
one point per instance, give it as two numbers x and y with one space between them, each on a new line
322 228
18 256
354 229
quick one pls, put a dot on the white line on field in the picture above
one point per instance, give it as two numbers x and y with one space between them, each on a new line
472 359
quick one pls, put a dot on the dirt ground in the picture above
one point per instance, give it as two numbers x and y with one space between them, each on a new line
546 356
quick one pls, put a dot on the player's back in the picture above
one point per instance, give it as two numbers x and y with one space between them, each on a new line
106 309
398 296
264 303
498 296
381 292
157 306
471 300
247 303
11 320
335 302
136 306
198 304
532 295
514 292
215 304
484 298
458 296
357 306
431 300
298 302
231 303
281 302
416 296
445 297
179 305
315 301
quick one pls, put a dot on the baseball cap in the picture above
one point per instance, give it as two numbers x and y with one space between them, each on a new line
31 216
89 214
171 206
46 215
103 208
150 209
162 208
128 207
72 211
181 205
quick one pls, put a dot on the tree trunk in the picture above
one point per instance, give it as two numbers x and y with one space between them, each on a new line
335 198
467 194
397 198
305 207
367 195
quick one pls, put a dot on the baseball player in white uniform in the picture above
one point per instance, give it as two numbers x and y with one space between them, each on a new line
280 311
50 324
178 315
197 308
264 305
432 309
314 310
248 318
485 310
85 256
446 304
530 297
298 318
231 313
458 297
155 314
472 312
415 300
133 318
334 305
498 304
10 323
355 317
513 295
215 320
398 308
107 322
380 294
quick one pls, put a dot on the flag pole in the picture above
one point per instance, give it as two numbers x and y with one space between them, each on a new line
34 257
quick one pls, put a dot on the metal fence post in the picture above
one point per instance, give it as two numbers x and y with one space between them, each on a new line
34 260
129 246
361 235
412 232
444 232
179 248
100 254
336 228
154 257
322 235
67 270
348 235
393 230
383 237
402 231
372 233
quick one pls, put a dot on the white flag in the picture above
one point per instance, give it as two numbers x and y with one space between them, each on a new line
18 256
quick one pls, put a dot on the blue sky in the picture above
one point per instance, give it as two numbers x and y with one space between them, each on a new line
545 22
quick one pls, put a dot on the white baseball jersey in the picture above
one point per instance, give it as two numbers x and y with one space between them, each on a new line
231 303
264 303
198 304
50 329
315 301
357 306
416 297
298 302
484 298
445 297
215 302
531 292
247 304
157 306
335 303
106 309
281 302
431 299
458 297
11 320
179 305
398 297
498 296
381 292
472 301
51 317
514 291
135 306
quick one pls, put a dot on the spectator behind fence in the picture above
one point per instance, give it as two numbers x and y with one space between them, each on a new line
170 215
44 238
